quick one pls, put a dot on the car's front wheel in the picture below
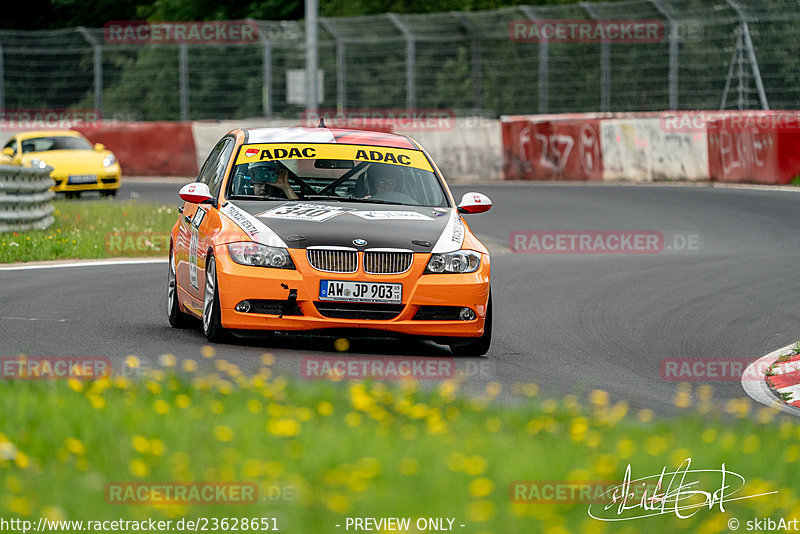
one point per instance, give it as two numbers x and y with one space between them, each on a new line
212 323
177 319
480 345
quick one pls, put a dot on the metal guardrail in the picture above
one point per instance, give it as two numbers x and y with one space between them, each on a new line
25 198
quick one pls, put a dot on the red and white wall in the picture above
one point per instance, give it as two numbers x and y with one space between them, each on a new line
730 146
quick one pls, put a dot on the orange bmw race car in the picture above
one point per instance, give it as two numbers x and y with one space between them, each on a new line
299 229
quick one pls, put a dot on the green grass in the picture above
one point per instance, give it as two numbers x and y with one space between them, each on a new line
360 449
94 229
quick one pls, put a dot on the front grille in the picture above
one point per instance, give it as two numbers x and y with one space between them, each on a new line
333 260
358 310
388 262
438 313
109 180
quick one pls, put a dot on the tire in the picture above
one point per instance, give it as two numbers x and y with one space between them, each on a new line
477 346
177 319
212 324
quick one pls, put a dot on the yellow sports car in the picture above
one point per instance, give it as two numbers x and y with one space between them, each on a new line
77 166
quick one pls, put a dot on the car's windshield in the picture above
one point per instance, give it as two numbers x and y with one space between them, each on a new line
63 142
357 174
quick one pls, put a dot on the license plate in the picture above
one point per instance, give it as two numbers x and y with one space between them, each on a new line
360 291
82 179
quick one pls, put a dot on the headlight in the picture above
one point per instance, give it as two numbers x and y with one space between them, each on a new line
461 261
260 255
38 164
109 160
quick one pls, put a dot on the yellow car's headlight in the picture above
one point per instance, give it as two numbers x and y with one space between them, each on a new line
109 160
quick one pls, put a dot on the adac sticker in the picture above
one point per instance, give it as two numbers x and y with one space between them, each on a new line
273 151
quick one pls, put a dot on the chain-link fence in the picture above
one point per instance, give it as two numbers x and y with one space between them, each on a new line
713 54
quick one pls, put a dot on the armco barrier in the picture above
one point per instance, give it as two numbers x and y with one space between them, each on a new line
148 148
25 198
552 148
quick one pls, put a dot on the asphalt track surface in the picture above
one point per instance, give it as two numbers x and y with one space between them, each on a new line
569 322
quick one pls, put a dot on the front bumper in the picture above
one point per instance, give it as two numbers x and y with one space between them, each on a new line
106 180
238 282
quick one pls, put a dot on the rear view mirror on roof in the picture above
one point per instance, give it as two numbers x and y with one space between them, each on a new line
333 164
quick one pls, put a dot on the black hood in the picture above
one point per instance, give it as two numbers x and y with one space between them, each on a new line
302 224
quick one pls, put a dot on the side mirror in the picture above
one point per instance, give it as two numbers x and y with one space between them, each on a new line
474 203
99 147
196 193
8 152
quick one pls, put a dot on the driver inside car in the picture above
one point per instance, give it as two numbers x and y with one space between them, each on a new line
269 179
383 178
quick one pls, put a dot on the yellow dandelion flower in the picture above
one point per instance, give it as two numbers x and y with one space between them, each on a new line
480 511
19 506
190 366
156 447
75 446
677 457
75 384
475 465
792 453
138 468
267 359
408 466
655 445
549 406
131 361
161 407
480 487
140 444
325 408
283 427
22 460
750 444
493 424
223 433
645 415
98 402
251 468
598 397
167 360
216 407
493 389
207 351
254 406
625 448
352 419
337 503
183 401
54 513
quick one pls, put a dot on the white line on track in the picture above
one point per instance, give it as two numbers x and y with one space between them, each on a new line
81 263
31 319
758 389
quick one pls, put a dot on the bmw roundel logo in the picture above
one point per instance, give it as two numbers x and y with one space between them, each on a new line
359 242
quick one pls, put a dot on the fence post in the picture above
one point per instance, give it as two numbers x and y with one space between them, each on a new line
544 64
605 63
674 28
266 73
312 56
97 48
341 65
477 67
411 52
2 82
183 67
